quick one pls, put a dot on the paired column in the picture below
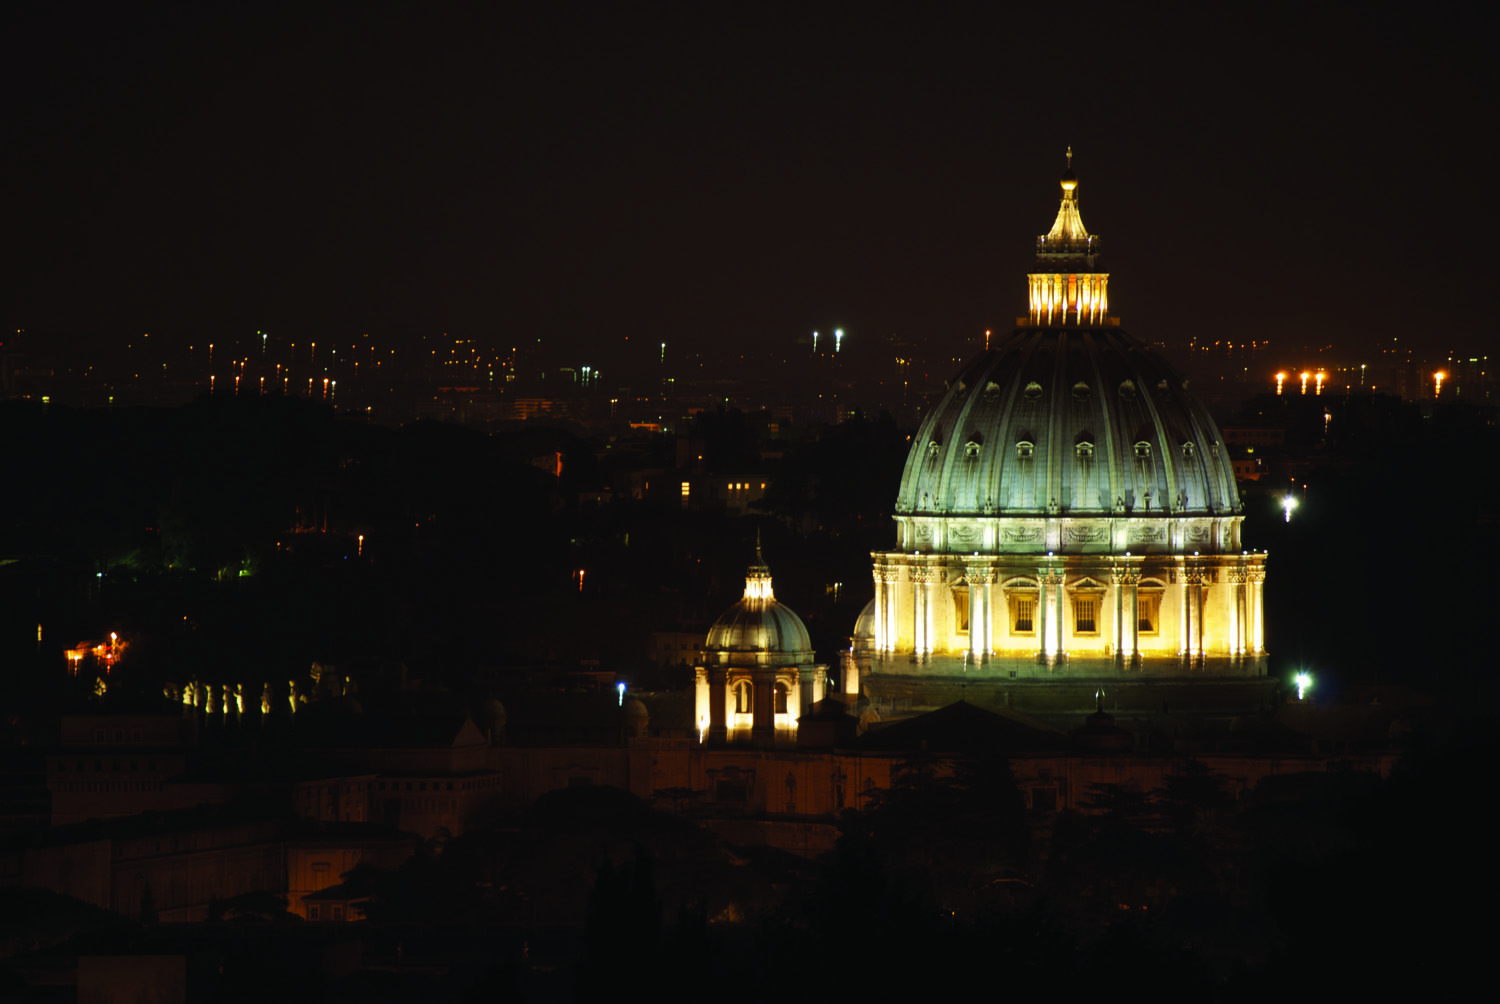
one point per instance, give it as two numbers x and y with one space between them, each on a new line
1257 576
763 707
1192 616
809 691
1236 611
882 622
1127 582
922 579
718 700
1184 628
980 625
1050 613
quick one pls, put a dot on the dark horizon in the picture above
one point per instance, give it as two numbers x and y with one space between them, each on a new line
706 178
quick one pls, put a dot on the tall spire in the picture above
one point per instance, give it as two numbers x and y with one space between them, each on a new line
1068 231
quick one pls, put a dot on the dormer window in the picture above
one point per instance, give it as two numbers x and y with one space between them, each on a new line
1187 451
1024 449
933 448
1033 391
1127 390
1143 450
1085 450
1080 391
971 450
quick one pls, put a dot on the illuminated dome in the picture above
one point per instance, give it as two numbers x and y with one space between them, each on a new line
864 627
1068 509
758 629
757 675
1059 421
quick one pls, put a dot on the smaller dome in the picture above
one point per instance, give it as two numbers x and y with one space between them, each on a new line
758 628
489 715
637 718
773 628
863 638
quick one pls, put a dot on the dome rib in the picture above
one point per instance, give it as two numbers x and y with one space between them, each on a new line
1107 425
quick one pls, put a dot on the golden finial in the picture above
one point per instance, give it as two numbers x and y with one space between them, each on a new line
1070 157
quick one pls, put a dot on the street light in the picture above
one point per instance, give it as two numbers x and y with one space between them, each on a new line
1304 682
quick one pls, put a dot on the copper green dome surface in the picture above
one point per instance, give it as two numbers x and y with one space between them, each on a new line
1068 421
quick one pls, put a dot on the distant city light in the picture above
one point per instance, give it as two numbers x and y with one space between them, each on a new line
1280 379
620 688
1288 504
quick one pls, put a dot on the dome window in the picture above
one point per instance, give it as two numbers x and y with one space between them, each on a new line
991 389
1143 450
1080 391
1033 391
1127 390
1025 449
933 448
971 450
1187 451
1085 450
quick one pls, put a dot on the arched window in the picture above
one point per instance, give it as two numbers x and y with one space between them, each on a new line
742 705
781 692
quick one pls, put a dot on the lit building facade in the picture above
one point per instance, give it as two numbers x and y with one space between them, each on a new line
1067 511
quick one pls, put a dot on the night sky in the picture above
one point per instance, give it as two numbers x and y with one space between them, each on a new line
711 172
